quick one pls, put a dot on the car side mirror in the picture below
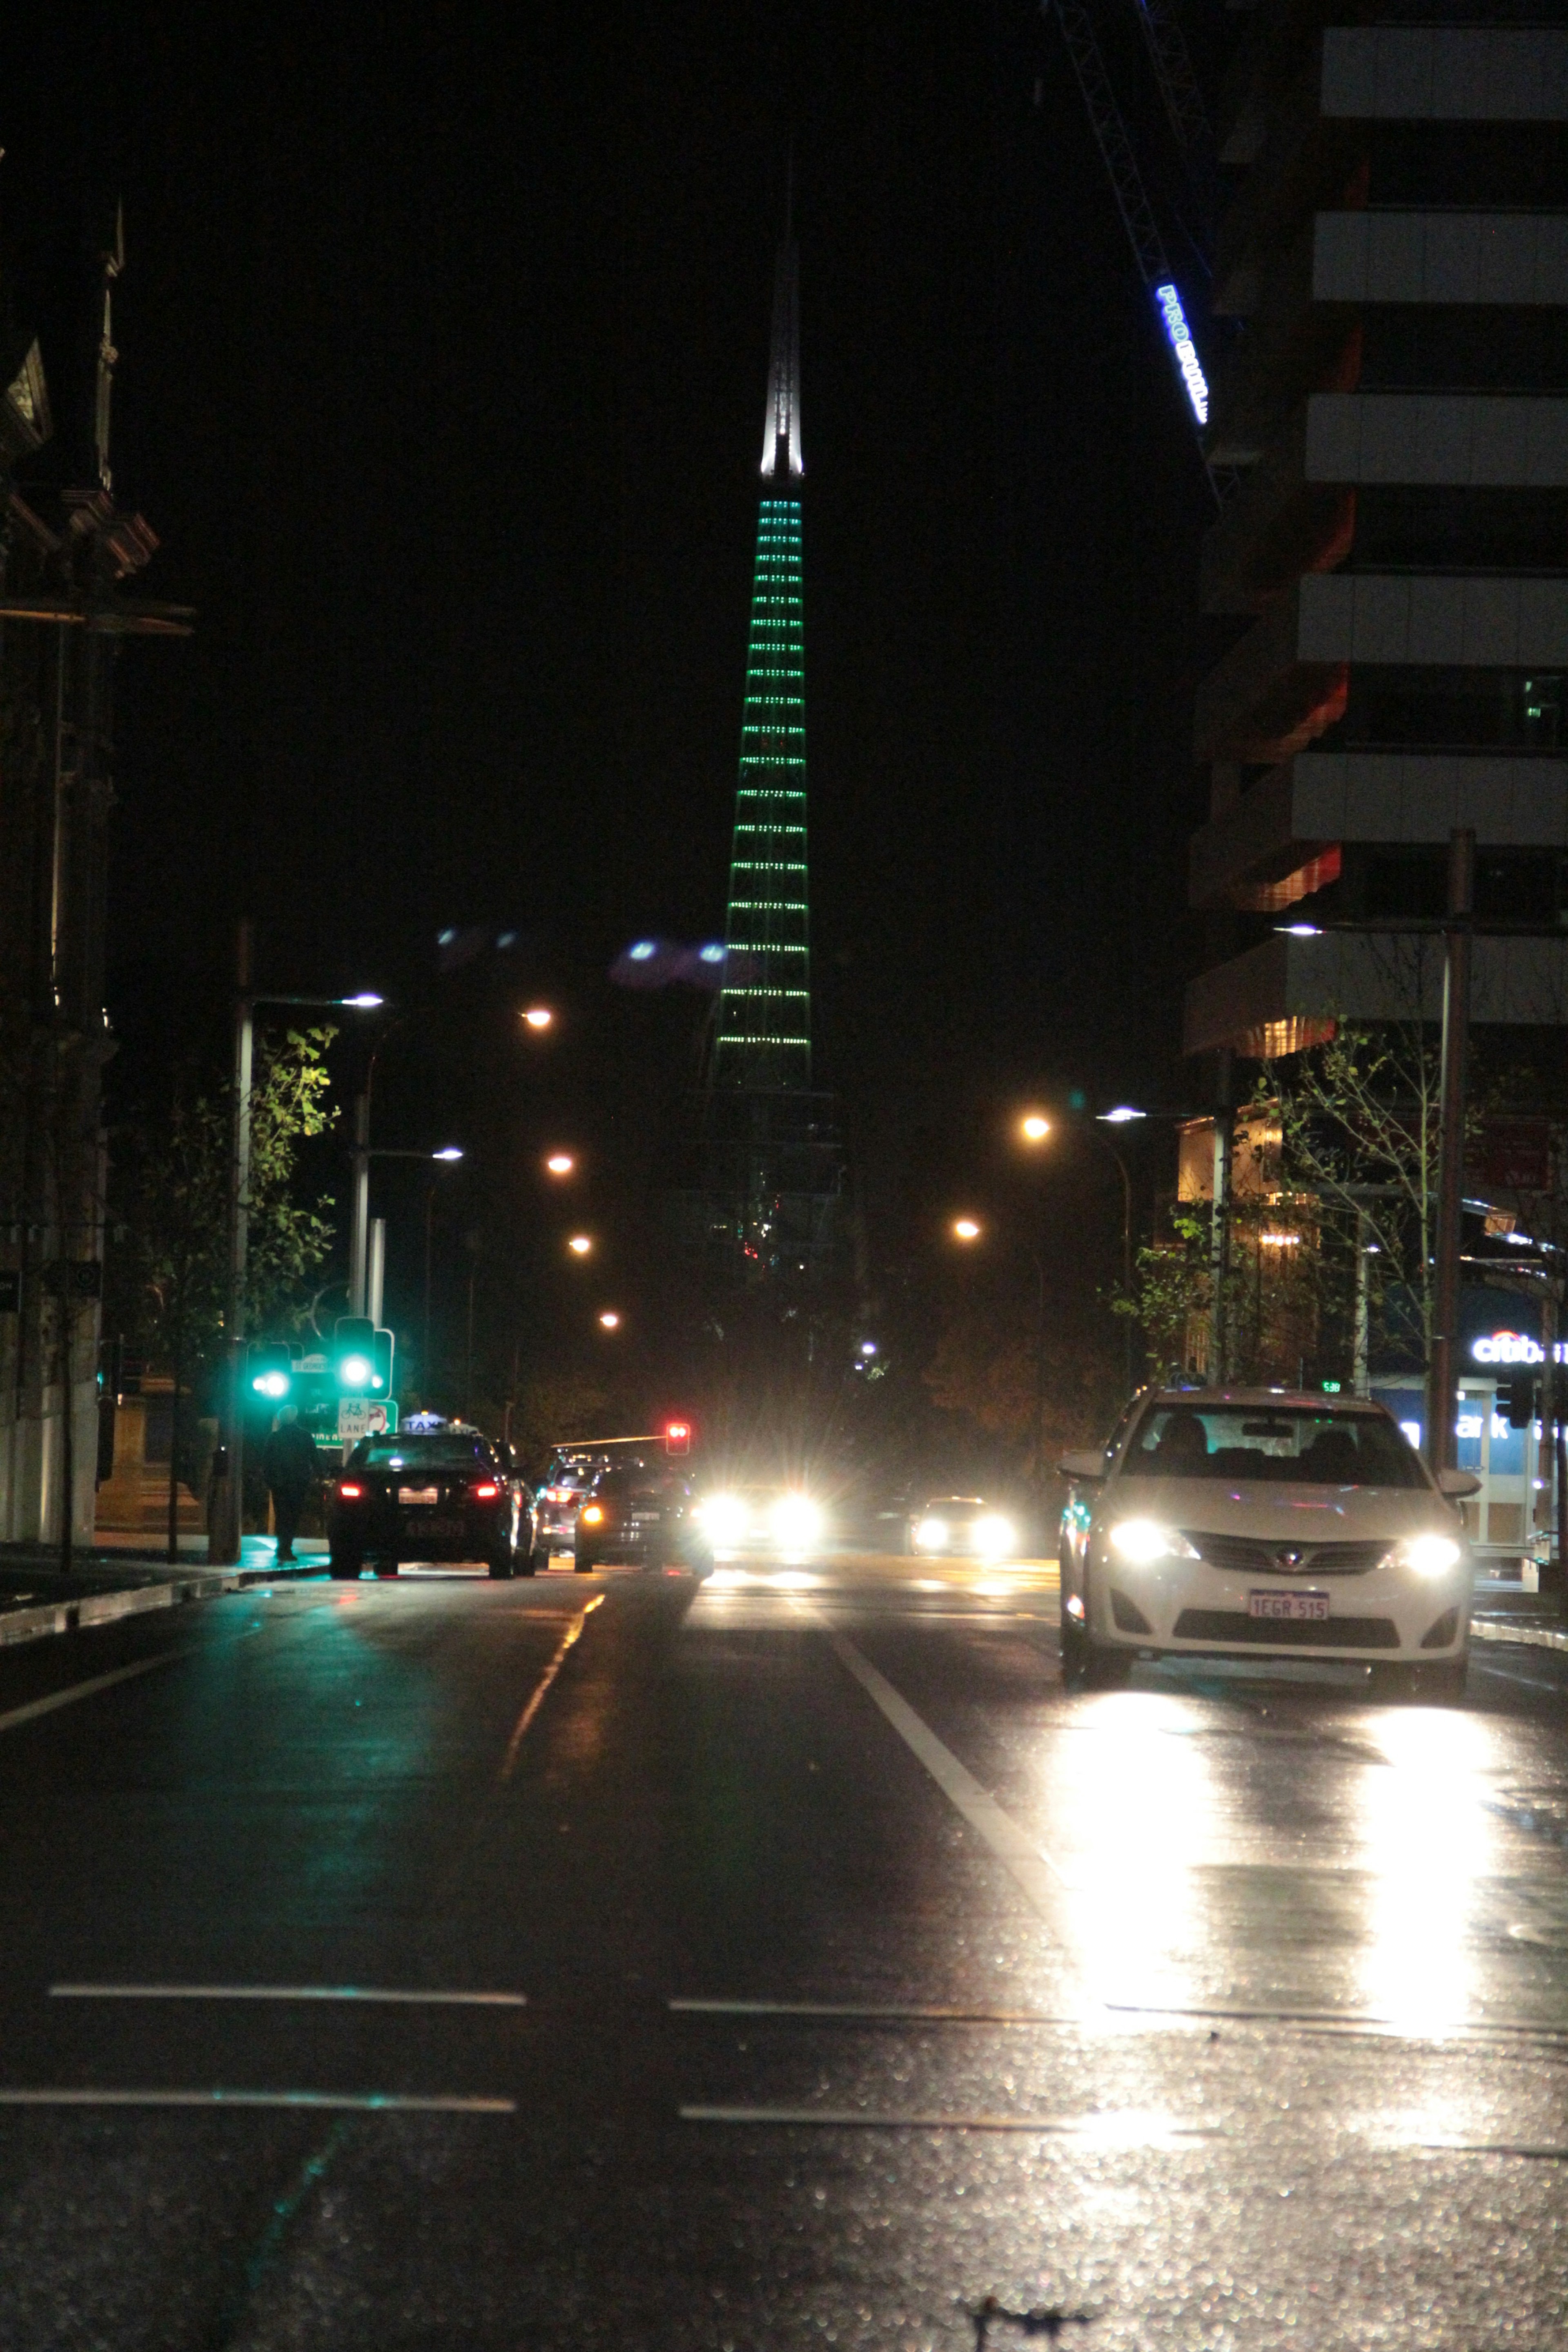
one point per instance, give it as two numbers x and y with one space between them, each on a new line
1458 1483
1087 1467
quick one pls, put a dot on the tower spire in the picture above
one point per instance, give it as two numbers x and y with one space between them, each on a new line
781 422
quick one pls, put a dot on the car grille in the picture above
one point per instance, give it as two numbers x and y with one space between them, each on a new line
1250 1556
1229 1626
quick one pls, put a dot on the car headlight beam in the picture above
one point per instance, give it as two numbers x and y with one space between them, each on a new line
993 1536
725 1517
1428 1555
932 1534
1142 1541
797 1519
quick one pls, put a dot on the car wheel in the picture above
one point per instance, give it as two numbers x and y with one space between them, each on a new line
584 1562
528 1564
502 1563
539 1557
1074 1649
344 1566
1392 1683
1443 1685
389 1568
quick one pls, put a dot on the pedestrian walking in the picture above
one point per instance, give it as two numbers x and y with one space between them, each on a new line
289 1463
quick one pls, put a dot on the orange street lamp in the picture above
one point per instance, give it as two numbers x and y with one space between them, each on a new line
580 1245
539 1016
561 1163
1034 1127
965 1229
610 1321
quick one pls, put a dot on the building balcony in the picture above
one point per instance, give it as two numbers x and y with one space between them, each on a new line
1520 258
1394 73
1286 679
1279 842
1296 512
1289 994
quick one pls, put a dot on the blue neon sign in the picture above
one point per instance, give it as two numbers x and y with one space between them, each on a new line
1179 336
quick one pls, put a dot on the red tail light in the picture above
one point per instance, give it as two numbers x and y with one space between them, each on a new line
486 1494
349 1492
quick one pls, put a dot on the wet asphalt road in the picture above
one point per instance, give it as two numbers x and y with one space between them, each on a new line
1231 2009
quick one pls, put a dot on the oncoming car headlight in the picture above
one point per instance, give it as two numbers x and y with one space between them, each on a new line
1142 1540
726 1518
1428 1555
993 1536
797 1519
932 1535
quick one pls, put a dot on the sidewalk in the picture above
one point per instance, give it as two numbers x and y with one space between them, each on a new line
1511 1612
123 1578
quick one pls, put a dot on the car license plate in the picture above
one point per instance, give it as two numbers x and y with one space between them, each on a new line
416 1496
645 1518
1288 1604
435 1526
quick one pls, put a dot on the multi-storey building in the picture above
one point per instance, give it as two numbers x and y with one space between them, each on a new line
1395 260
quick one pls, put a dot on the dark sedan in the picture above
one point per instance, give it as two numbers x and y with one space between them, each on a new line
641 1514
437 1495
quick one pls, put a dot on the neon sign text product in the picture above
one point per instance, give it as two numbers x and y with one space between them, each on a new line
1179 336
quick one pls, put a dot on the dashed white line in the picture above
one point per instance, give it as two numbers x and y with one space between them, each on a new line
285 1992
359 2102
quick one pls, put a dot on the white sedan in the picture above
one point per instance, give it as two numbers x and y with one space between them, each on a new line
1261 1523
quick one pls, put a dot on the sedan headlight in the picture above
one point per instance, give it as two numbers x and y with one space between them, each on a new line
1142 1540
932 1535
726 1518
993 1536
1428 1555
796 1520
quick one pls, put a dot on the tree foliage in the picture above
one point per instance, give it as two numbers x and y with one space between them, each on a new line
176 1214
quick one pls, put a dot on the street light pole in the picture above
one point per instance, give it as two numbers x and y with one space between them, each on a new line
226 1519
359 1229
1440 1377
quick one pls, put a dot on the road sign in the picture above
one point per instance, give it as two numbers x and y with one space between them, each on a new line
361 1417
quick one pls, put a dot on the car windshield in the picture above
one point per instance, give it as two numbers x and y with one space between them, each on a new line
956 1507
442 1453
628 1484
1285 1444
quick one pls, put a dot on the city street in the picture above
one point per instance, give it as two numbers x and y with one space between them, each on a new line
782 1960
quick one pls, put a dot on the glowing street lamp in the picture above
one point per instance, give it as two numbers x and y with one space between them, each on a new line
609 1321
965 1229
1123 1116
580 1245
539 1016
561 1163
1034 1127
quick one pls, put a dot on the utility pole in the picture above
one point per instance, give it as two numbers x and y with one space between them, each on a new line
1219 1227
226 1525
375 1278
1440 1375
359 1230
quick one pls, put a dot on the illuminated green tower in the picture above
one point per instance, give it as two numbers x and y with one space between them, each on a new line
769 1208
763 1036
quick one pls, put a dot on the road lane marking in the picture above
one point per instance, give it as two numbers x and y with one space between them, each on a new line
1543 2154
285 1992
1030 1866
73 1691
573 1633
1109 2130
359 2102
873 2011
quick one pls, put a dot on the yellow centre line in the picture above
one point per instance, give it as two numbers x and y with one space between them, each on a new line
573 1633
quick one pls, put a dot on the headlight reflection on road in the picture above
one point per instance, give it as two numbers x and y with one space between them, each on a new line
1132 1813
1427 1841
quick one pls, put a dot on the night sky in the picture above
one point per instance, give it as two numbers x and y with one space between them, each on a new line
443 342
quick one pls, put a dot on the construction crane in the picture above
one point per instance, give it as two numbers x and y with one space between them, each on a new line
1132 197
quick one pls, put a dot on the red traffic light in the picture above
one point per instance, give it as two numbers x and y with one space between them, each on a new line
677 1437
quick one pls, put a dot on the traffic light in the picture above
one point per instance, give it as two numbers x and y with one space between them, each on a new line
353 1355
1516 1398
677 1437
269 1371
